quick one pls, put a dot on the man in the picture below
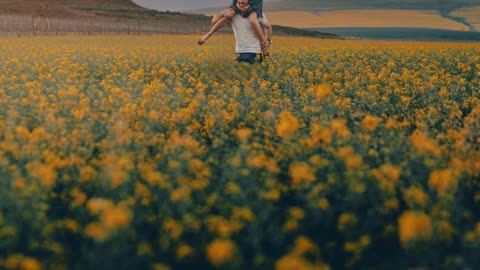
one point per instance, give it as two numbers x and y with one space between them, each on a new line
247 45
253 9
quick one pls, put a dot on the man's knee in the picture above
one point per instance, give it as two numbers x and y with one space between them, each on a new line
227 13
216 18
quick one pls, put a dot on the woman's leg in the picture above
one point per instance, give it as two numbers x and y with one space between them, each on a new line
218 22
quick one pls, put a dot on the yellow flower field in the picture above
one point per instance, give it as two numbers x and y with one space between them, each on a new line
151 152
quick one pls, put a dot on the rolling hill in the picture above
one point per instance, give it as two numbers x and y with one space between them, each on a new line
442 6
117 10
28 16
412 19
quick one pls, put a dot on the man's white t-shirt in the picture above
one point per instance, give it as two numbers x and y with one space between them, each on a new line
246 40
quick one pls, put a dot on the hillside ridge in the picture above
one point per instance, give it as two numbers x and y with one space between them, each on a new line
68 8
124 13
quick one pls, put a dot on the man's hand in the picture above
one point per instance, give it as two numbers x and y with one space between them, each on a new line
243 9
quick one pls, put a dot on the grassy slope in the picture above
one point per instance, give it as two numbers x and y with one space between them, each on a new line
117 10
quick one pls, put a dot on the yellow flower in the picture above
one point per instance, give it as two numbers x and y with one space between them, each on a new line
323 203
46 174
413 225
318 161
79 197
87 173
30 264
301 172
22 132
236 161
424 144
220 251
340 127
180 194
415 196
293 263
296 213
320 91
346 220
320 134
13 261
259 161
98 205
71 225
370 122
303 245
391 204
344 152
173 227
96 231
244 214
117 216
291 225
287 125
353 162
443 181
19 183
387 176
184 251
272 195
389 172
243 134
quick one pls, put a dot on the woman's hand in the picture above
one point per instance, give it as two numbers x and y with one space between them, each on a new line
243 9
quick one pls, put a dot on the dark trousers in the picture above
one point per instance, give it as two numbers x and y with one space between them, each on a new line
252 58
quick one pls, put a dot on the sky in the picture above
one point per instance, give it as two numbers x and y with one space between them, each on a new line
183 5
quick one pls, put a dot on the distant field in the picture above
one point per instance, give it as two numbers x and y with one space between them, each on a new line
472 15
318 5
322 5
364 18
424 34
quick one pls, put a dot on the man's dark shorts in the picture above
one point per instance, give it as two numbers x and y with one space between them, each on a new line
252 58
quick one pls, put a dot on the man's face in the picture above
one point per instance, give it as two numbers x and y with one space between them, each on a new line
242 3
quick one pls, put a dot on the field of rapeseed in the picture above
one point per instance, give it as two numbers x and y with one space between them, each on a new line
151 152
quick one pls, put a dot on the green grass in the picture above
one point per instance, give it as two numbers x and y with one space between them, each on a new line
403 34
279 30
